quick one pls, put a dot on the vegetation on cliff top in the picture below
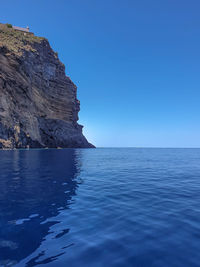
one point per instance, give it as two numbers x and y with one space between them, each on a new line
17 41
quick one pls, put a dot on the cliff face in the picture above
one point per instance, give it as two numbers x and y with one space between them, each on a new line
38 104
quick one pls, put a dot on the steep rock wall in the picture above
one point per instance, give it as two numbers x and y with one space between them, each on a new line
38 103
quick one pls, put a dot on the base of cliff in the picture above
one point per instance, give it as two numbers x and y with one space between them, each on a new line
52 134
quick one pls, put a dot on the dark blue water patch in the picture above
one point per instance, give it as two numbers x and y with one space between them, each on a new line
100 207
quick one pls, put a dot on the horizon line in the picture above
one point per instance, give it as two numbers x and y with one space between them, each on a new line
141 147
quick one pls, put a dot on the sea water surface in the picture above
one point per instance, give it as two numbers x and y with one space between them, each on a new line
100 207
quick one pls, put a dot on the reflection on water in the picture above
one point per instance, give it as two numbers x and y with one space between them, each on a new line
100 207
35 186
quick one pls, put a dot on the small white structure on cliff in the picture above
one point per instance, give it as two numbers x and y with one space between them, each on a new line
21 29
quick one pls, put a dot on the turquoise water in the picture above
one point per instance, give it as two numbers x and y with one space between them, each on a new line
100 207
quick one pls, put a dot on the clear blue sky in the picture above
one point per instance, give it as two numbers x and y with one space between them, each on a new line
136 64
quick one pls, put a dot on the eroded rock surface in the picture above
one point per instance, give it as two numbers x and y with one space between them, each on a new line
38 103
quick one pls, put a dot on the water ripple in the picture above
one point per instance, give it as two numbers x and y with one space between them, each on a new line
101 207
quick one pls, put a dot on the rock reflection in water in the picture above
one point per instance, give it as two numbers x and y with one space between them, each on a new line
36 187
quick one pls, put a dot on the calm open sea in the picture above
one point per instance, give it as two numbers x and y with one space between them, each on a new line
100 207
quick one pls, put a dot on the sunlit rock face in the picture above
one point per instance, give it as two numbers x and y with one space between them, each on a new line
38 103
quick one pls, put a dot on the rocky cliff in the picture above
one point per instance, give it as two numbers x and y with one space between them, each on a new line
38 103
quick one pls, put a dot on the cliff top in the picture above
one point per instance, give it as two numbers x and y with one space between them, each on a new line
17 41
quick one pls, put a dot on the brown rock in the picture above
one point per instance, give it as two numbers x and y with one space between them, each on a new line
38 103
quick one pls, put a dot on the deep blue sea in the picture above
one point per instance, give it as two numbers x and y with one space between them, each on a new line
100 207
